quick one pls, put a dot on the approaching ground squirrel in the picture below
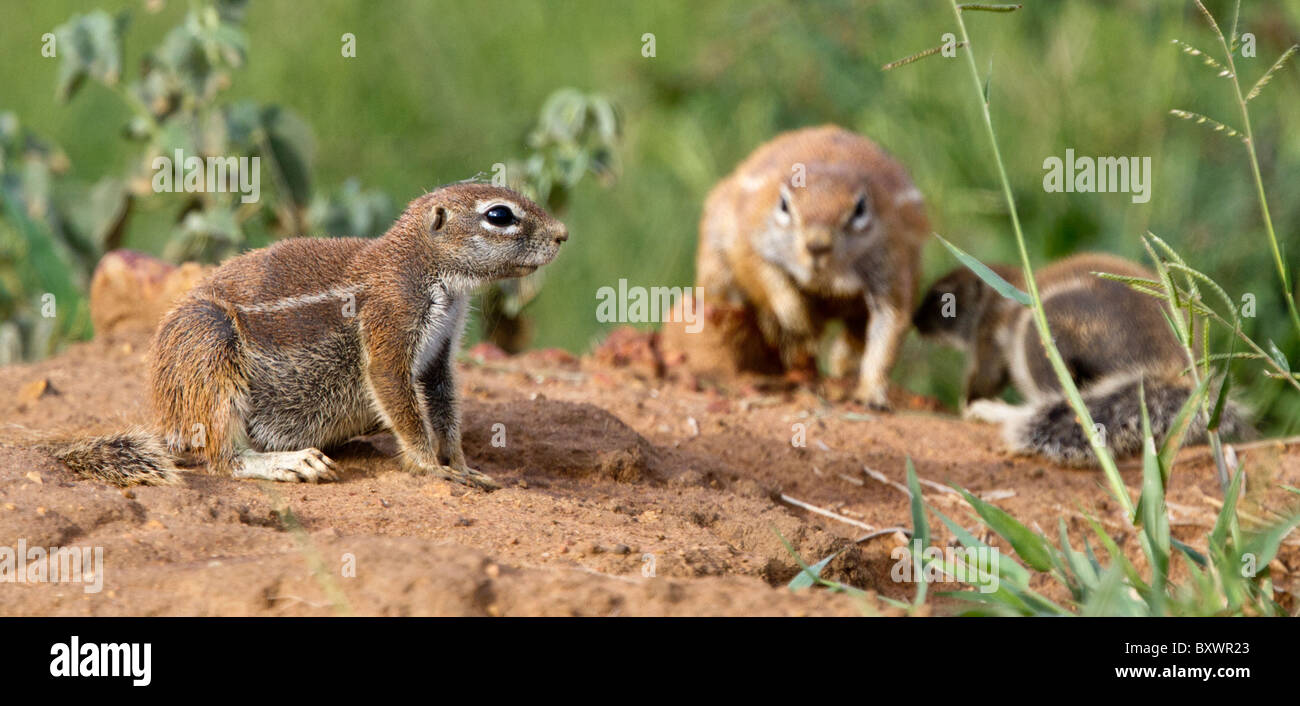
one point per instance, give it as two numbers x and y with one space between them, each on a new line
309 342
816 225
1111 338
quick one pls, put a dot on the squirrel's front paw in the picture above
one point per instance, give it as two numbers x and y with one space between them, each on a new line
874 397
463 475
474 479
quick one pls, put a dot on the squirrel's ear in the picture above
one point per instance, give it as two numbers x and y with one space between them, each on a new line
437 218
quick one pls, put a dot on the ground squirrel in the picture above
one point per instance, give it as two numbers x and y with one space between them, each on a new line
302 345
1111 338
816 225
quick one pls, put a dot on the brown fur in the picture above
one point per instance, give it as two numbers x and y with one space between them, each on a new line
134 457
800 267
1113 340
309 342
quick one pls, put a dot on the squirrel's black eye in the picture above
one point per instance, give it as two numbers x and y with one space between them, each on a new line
785 205
500 216
860 209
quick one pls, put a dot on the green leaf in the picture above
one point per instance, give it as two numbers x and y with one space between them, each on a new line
352 212
1151 507
291 149
1112 598
1264 544
1191 553
96 211
176 133
1279 357
920 526
232 10
815 578
1009 569
1178 428
89 46
1030 546
804 569
991 278
45 270
1117 556
1082 573
999 604
920 529
1227 513
184 63
206 236
808 575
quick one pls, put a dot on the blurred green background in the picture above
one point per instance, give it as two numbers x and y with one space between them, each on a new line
441 91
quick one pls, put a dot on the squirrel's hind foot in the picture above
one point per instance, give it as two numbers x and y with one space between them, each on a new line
304 466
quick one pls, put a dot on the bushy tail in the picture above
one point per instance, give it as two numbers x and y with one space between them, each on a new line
133 457
1052 430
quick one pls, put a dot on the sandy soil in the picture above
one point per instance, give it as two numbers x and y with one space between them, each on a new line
631 489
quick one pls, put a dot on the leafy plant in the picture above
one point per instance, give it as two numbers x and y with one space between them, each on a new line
576 135
44 249
1230 578
177 108
54 228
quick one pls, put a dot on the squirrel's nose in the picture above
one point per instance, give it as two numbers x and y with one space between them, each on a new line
818 248
562 234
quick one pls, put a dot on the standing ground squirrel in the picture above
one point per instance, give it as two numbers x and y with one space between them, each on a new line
818 224
312 341
1111 338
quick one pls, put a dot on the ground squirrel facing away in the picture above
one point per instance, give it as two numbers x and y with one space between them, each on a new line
1111 338
302 345
816 225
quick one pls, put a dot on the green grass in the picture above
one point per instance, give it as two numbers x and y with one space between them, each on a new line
442 91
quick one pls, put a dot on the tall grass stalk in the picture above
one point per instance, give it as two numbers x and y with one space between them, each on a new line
1287 292
1118 489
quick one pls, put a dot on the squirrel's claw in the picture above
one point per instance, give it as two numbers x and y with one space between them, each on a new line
458 474
472 478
